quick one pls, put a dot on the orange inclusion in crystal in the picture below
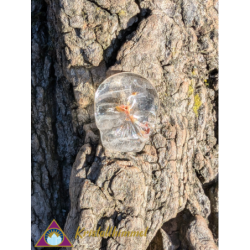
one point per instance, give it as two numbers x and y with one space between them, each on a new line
126 110
123 108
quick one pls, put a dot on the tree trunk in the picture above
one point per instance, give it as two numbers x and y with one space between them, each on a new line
171 186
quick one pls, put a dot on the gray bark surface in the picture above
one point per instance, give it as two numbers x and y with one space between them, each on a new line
171 187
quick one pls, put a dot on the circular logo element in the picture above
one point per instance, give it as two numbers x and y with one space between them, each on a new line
53 236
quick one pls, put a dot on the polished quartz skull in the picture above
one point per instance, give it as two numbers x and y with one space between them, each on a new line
125 111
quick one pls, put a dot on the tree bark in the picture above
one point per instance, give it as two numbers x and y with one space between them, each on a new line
171 187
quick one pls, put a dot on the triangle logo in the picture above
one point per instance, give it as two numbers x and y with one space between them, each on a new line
53 237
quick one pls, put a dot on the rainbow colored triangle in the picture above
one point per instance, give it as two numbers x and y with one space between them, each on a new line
42 242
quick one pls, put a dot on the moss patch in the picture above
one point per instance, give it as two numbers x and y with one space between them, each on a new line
190 90
197 104
122 13
206 82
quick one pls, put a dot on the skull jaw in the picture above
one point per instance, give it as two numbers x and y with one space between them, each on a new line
123 144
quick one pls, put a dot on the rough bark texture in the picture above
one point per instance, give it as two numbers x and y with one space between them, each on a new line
171 186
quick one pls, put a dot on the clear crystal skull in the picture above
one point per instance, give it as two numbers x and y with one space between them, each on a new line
125 111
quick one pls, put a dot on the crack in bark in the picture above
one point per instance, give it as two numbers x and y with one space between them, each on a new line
99 6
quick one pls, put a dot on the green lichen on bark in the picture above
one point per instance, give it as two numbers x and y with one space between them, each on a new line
197 104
